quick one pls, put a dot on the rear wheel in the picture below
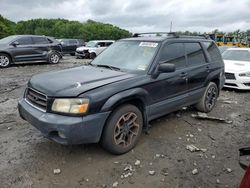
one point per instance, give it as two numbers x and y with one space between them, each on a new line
53 57
209 98
4 60
122 130
92 55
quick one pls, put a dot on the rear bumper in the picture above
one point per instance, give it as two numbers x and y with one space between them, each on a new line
64 129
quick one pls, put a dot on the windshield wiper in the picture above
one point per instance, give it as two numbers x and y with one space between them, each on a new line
107 66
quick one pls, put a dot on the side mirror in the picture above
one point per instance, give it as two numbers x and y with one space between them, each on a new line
166 67
15 43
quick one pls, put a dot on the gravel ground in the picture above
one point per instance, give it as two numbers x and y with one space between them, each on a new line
159 160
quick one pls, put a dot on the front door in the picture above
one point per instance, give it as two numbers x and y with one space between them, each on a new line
169 90
24 50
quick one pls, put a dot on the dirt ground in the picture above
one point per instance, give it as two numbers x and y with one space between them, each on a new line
27 159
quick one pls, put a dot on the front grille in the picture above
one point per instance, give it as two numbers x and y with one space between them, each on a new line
230 84
230 76
36 98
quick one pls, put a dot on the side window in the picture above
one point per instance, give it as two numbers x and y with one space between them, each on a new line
25 41
40 40
174 53
108 44
213 51
73 42
101 44
195 55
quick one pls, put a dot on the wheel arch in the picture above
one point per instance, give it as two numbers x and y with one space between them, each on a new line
11 57
137 97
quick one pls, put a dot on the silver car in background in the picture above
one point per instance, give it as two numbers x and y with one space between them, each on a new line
93 48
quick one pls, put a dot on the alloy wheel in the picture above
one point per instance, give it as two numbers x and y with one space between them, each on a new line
4 61
126 129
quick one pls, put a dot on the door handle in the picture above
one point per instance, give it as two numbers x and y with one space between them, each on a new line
183 74
208 68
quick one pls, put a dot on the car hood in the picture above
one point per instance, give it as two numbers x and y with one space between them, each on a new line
75 81
236 66
84 48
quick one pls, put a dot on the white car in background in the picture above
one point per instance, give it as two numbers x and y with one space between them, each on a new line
237 68
93 48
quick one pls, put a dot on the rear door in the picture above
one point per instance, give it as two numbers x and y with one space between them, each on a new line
198 67
24 51
41 47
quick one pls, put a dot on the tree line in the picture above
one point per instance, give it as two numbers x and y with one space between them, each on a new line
62 28
89 30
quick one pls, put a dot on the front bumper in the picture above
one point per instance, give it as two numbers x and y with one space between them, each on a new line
64 129
238 82
81 54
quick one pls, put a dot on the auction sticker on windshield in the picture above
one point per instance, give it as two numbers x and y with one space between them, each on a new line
148 44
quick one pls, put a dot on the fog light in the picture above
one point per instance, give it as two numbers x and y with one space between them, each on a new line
61 135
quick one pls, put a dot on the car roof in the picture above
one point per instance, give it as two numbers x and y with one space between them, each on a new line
101 41
31 36
164 38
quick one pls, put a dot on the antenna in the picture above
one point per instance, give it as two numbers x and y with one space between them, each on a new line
171 24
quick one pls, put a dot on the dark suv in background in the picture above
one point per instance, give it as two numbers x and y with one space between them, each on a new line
29 48
132 82
69 46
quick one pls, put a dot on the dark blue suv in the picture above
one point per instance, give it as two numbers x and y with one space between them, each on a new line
132 82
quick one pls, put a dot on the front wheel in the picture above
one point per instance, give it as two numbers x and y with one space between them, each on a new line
4 60
209 98
92 55
53 58
122 130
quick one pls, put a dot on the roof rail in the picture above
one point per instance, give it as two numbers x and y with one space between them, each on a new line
157 33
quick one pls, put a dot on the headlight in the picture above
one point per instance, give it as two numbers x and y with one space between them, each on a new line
246 74
72 106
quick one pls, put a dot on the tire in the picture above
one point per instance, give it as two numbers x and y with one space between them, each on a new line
72 54
208 99
54 57
121 138
92 55
5 60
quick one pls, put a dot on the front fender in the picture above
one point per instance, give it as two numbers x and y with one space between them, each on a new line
131 94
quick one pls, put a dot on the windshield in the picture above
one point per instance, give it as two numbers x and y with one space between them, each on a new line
128 55
237 55
8 40
91 44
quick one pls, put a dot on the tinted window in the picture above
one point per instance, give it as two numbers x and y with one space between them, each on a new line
25 40
195 55
40 40
72 41
174 53
101 44
213 51
109 43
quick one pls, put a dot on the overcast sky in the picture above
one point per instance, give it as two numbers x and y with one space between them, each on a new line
138 15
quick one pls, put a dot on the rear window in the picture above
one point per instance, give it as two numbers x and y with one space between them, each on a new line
195 55
213 51
40 40
72 41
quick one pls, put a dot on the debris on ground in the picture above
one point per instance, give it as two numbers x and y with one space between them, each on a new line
128 168
229 170
218 181
115 184
151 172
204 116
164 171
195 171
9 128
57 171
137 163
192 148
